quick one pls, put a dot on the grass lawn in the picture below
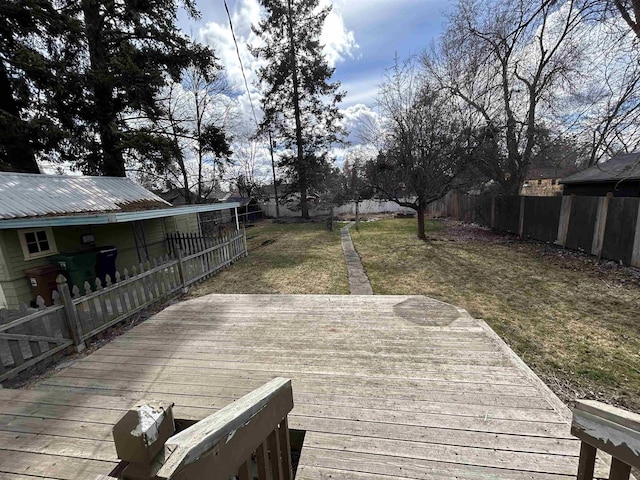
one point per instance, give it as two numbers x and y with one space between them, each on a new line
574 321
285 258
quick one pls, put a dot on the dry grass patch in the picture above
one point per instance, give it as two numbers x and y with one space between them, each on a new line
284 258
575 321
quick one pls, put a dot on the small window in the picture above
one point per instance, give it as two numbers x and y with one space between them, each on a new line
554 182
539 182
37 242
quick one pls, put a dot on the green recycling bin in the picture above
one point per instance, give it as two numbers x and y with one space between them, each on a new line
78 267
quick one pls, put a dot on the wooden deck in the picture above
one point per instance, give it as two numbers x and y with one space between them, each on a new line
386 387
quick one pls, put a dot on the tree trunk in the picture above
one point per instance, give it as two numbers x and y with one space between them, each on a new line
421 234
106 116
19 155
302 177
273 170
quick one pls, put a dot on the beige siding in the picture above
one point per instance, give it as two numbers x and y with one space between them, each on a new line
544 187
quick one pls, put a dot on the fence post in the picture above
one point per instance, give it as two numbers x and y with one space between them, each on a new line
246 251
601 224
635 253
521 221
70 313
493 212
183 278
563 224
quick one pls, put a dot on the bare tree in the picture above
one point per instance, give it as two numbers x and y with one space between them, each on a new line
502 60
244 173
199 113
604 109
424 155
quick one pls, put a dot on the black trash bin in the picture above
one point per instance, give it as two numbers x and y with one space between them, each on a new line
106 262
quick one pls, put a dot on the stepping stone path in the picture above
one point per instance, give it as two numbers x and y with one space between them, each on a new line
358 280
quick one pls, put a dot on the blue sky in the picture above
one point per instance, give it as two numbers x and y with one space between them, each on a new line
361 37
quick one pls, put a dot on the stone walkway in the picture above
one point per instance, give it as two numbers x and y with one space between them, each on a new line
358 280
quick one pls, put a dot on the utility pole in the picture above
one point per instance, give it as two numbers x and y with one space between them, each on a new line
273 169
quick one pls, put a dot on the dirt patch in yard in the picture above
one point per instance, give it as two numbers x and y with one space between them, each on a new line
572 318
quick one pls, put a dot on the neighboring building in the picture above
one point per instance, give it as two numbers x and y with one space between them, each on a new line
541 187
545 182
45 215
619 176
249 209
177 196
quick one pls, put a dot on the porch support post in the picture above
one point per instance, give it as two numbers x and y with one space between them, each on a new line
235 209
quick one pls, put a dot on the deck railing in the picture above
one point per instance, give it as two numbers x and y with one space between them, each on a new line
611 430
246 439
78 315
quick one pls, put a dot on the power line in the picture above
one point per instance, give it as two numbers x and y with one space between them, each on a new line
246 84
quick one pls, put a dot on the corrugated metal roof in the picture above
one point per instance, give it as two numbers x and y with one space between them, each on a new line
621 167
25 195
111 217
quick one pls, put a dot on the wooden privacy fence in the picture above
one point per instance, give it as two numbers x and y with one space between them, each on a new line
607 227
78 315
247 439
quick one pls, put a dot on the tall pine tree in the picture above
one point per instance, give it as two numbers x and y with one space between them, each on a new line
38 73
299 101
80 80
132 48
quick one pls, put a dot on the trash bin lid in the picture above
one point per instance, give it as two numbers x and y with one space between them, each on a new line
106 249
42 270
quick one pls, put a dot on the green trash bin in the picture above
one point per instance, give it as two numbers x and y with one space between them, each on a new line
78 267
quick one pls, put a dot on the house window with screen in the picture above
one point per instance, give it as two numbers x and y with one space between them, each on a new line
37 242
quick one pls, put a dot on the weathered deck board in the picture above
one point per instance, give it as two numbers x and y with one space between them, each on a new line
387 387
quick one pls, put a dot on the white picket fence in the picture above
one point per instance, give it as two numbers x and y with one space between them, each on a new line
77 316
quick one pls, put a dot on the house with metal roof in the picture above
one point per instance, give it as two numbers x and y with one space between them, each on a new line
619 176
54 223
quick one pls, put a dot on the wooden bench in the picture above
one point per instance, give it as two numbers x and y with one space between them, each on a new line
247 438
611 430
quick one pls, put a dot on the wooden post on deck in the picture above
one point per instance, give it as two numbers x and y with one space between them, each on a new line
218 447
611 430
70 313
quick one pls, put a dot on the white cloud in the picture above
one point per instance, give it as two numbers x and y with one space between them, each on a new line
339 42
359 121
